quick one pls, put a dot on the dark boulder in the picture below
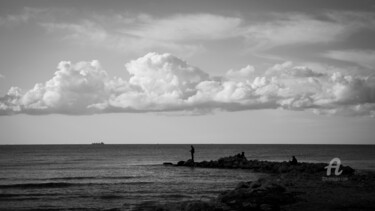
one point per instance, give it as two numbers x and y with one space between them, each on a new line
168 164
256 195
190 163
347 170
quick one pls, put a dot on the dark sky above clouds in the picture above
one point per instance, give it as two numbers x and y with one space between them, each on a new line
209 71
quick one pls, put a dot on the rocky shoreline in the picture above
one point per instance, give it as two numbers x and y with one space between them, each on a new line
240 161
288 186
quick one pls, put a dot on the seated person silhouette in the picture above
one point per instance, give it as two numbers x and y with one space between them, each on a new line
294 160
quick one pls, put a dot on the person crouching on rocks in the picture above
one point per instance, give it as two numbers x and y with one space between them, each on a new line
294 160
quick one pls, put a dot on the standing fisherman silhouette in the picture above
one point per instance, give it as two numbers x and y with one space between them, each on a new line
192 151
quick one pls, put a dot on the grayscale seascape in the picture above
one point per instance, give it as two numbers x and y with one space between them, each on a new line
184 105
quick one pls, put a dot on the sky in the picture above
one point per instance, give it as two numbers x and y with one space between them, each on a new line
163 71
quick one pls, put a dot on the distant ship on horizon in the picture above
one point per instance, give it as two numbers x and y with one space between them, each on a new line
97 143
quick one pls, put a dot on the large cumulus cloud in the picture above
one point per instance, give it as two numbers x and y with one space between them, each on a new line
163 82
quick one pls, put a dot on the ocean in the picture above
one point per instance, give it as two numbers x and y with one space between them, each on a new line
126 177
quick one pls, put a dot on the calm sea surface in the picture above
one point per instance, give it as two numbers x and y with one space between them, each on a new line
125 176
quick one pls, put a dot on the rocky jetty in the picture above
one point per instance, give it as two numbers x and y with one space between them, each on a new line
240 161
287 186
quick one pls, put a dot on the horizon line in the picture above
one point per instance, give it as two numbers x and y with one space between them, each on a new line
193 144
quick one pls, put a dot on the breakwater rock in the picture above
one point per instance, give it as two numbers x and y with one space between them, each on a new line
259 195
240 161
287 186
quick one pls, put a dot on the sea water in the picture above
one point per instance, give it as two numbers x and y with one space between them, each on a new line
128 176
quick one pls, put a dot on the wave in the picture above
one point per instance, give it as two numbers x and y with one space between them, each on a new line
15 195
169 196
109 197
24 197
62 185
68 178
38 185
87 178
74 178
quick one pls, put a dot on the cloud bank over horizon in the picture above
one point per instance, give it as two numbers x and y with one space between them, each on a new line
165 83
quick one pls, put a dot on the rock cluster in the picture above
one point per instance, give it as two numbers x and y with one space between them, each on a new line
261 195
258 195
239 161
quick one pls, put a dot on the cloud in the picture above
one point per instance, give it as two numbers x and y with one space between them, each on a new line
275 30
243 74
364 58
163 82
307 31
354 19
92 33
25 16
187 34
71 90
287 69
291 29
1 76
188 27
159 82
